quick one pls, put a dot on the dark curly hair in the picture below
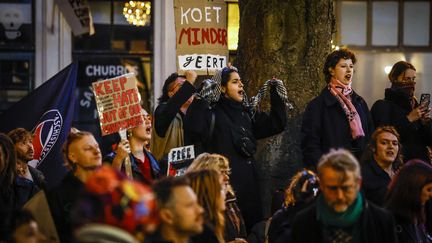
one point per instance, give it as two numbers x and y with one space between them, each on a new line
19 135
333 58
225 76
164 97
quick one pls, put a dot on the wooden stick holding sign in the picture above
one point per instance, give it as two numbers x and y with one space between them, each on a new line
118 106
127 162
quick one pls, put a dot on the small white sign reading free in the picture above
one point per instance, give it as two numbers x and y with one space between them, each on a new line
181 154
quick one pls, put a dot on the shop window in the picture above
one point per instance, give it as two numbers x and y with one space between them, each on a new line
416 23
16 51
353 23
384 24
116 48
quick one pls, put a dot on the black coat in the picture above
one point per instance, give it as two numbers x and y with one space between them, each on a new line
374 182
230 118
281 222
414 136
326 126
60 200
377 226
408 232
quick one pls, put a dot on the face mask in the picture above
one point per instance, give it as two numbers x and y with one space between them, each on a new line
405 88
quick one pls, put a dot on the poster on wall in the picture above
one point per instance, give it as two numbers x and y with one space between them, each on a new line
16 28
201 35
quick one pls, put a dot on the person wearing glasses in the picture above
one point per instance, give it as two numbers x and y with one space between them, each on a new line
235 229
340 213
400 109
177 95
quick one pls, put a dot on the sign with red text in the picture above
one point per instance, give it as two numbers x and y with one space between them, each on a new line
118 103
201 35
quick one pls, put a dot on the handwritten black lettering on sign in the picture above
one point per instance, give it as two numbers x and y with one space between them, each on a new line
202 61
181 153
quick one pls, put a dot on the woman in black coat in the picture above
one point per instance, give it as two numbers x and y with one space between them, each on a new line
338 117
400 109
228 128
409 194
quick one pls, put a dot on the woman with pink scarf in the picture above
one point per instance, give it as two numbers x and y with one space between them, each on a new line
338 117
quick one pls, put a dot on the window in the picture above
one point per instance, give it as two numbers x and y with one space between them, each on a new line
116 48
16 51
384 24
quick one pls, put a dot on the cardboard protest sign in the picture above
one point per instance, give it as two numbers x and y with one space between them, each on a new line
118 103
201 35
77 14
179 160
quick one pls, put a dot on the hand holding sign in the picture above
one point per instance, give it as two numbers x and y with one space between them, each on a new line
123 150
191 76
118 103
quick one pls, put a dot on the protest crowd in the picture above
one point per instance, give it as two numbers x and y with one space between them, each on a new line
367 173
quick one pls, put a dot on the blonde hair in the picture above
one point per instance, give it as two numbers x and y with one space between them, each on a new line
209 161
207 187
73 136
294 188
216 162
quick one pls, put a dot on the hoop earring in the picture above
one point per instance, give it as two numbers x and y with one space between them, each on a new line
74 166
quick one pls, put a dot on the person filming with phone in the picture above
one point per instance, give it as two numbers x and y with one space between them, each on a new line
401 109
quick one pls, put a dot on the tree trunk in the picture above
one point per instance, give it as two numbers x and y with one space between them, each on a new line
288 39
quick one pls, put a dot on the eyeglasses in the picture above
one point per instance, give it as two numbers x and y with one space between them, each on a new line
226 172
345 189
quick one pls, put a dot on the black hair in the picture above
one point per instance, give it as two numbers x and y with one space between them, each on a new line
226 73
333 58
164 97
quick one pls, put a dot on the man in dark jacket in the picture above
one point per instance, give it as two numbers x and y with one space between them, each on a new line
29 180
177 95
341 214
180 214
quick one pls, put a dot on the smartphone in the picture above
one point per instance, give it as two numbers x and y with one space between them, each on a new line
425 100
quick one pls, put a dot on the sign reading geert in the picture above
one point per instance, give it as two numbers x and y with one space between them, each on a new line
201 35
118 103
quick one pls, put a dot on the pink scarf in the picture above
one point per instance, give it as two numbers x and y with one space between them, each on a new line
343 93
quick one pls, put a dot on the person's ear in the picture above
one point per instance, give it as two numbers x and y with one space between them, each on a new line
166 216
331 71
223 89
72 156
170 93
359 183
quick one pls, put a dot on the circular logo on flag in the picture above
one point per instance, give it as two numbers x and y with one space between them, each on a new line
46 133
